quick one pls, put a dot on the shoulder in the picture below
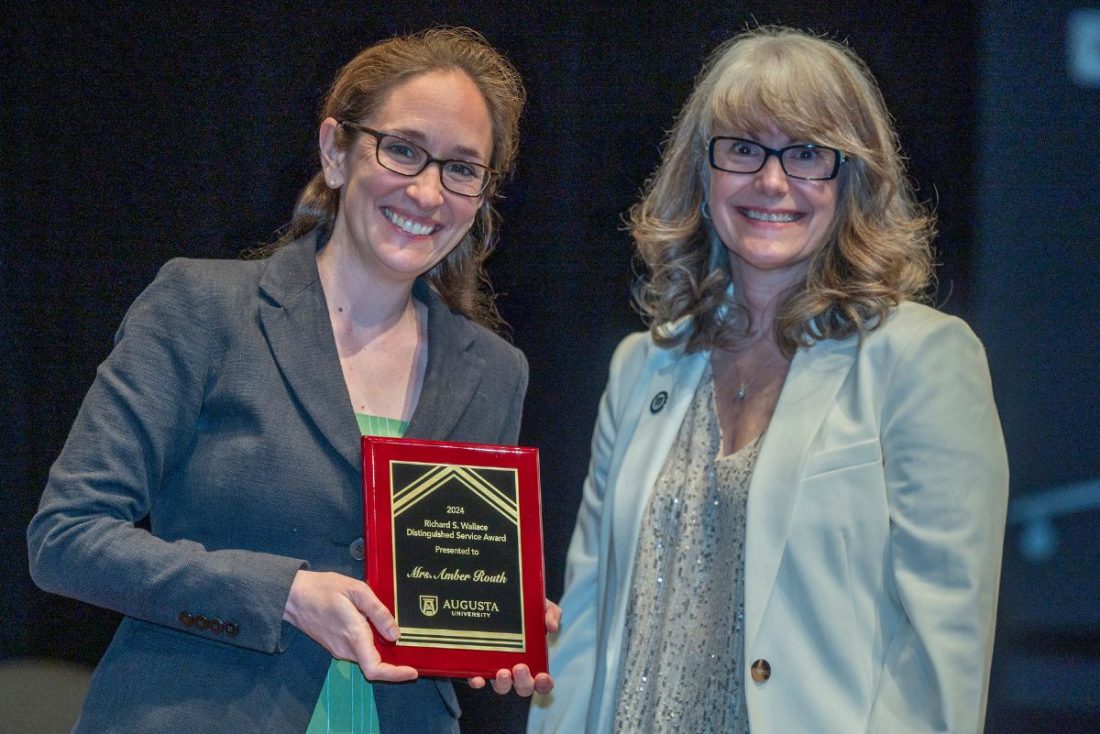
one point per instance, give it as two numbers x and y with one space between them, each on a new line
452 333
910 324
285 275
210 272
189 291
910 317
631 355
638 351
497 352
639 362
923 343
281 276
213 269
192 279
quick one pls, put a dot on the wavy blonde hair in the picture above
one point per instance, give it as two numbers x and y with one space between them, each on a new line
878 250
363 85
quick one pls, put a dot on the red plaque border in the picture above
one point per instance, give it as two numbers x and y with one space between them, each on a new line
378 453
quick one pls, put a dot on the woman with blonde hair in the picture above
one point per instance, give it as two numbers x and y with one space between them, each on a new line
795 507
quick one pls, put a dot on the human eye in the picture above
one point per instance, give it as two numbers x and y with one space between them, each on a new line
402 150
810 154
810 160
462 171
740 153
736 151
744 149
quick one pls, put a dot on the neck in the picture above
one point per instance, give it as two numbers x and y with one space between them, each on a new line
761 293
355 297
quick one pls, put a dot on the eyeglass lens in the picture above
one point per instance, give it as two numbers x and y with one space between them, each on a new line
799 161
409 159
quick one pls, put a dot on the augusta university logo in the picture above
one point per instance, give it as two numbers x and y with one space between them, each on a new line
429 605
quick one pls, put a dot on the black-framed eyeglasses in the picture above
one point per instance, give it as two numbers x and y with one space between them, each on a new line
395 153
807 161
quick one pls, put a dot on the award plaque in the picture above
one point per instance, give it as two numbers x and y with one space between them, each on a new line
454 551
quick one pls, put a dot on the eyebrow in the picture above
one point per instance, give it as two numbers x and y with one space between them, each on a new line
419 138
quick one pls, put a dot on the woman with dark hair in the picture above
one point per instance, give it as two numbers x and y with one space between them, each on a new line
210 489
795 508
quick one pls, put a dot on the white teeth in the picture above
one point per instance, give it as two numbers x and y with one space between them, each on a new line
408 225
769 216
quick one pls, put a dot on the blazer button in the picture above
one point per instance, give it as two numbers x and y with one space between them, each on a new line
202 622
216 626
356 549
761 670
186 619
231 629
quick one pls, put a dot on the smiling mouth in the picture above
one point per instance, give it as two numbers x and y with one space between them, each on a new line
407 225
777 217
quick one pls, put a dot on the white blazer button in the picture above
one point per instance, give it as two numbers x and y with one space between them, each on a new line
761 670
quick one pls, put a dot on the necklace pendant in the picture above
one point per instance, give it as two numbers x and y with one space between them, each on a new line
741 392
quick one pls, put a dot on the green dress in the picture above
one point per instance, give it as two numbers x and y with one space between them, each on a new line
346 703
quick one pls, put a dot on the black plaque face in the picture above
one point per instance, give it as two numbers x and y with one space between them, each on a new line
458 566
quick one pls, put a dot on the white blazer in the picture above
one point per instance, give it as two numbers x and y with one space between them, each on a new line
874 533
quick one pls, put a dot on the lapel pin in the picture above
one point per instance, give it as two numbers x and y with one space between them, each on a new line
658 402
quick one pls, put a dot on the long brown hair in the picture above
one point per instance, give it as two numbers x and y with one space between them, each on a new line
363 85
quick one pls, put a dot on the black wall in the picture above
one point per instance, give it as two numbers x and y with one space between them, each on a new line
131 135
1036 289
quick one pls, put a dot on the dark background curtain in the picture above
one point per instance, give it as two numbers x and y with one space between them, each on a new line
138 132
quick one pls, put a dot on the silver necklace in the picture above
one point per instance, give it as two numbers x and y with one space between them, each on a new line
743 388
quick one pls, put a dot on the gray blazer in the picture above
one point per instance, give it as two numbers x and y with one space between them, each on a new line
221 416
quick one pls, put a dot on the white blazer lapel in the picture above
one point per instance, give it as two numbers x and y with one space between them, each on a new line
663 402
651 419
813 382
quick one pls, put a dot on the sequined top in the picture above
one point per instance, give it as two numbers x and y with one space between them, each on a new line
683 636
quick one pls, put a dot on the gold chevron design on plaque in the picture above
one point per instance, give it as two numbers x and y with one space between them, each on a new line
468 476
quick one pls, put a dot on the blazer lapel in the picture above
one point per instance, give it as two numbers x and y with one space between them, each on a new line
813 382
294 318
660 405
453 372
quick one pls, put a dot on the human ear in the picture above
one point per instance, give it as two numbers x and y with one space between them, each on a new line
333 157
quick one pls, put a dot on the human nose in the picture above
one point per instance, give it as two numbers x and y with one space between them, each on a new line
772 178
426 187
